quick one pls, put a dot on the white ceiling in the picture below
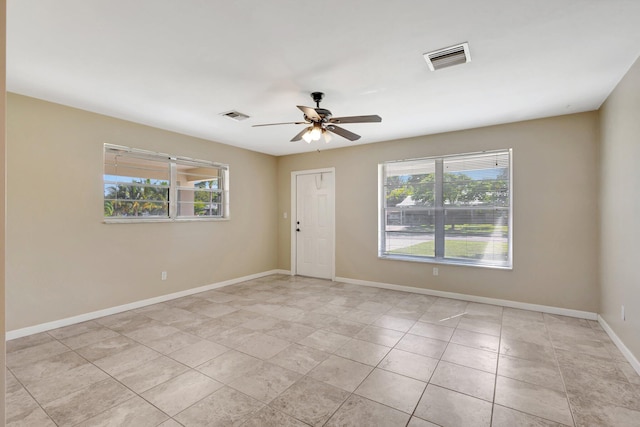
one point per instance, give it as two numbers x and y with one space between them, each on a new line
178 64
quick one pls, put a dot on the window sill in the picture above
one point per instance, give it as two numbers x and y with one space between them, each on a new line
430 260
156 220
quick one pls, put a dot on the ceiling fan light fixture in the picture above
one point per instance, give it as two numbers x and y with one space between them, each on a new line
315 133
327 136
307 136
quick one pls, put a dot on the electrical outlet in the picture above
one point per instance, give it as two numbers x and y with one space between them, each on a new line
622 316
284 215
435 271
164 275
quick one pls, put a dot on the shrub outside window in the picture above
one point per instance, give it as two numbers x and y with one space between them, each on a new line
450 209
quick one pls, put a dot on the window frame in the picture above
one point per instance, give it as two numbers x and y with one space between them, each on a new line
173 201
439 207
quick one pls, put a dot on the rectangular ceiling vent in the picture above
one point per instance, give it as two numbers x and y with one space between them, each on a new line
235 115
447 57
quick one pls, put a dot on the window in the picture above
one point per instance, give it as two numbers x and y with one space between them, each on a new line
142 185
453 209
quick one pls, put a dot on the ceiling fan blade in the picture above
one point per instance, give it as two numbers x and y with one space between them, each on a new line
275 124
310 113
343 132
356 119
298 137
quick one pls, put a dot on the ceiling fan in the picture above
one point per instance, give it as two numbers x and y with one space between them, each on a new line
321 123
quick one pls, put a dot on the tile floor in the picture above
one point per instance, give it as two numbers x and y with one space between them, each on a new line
291 351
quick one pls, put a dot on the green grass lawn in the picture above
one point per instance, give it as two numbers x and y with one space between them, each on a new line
468 229
453 249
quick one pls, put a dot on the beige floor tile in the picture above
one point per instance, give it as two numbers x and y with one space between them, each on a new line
324 341
465 380
28 341
287 326
394 323
340 372
150 374
50 366
106 348
88 402
22 410
172 342
480 326
170 423
471 357
449 408
89 337
225 407
151 332
64 383
382 336
526 350
475 340
269 417
589 412
442 318
266 382
391 389
363 352
419 422
125 322
215 310
289 331
507 417
588 388
263 346
538 336
532 399
430 330
358 411
198 353
229 366
134 412
545 374
180 392
73 330
409 364
310 401
127 359
344 327
361 316
424 346
30 355
299 358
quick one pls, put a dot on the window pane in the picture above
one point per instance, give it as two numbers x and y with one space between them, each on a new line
479 235
135 187
409 191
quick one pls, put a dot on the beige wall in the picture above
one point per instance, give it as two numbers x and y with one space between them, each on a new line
620 206
3 38
555 211
62 260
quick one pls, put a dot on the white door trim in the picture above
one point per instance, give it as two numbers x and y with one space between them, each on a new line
294 215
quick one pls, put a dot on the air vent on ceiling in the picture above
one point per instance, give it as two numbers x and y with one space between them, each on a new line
235 115
447 57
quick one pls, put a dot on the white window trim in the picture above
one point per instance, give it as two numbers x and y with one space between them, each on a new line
434 260
172 160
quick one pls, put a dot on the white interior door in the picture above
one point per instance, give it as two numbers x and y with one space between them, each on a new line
314 224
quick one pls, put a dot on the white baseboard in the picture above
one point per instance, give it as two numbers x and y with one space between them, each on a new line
30 330
618 342
472 298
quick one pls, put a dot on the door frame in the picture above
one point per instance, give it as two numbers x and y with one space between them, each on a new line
294 215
